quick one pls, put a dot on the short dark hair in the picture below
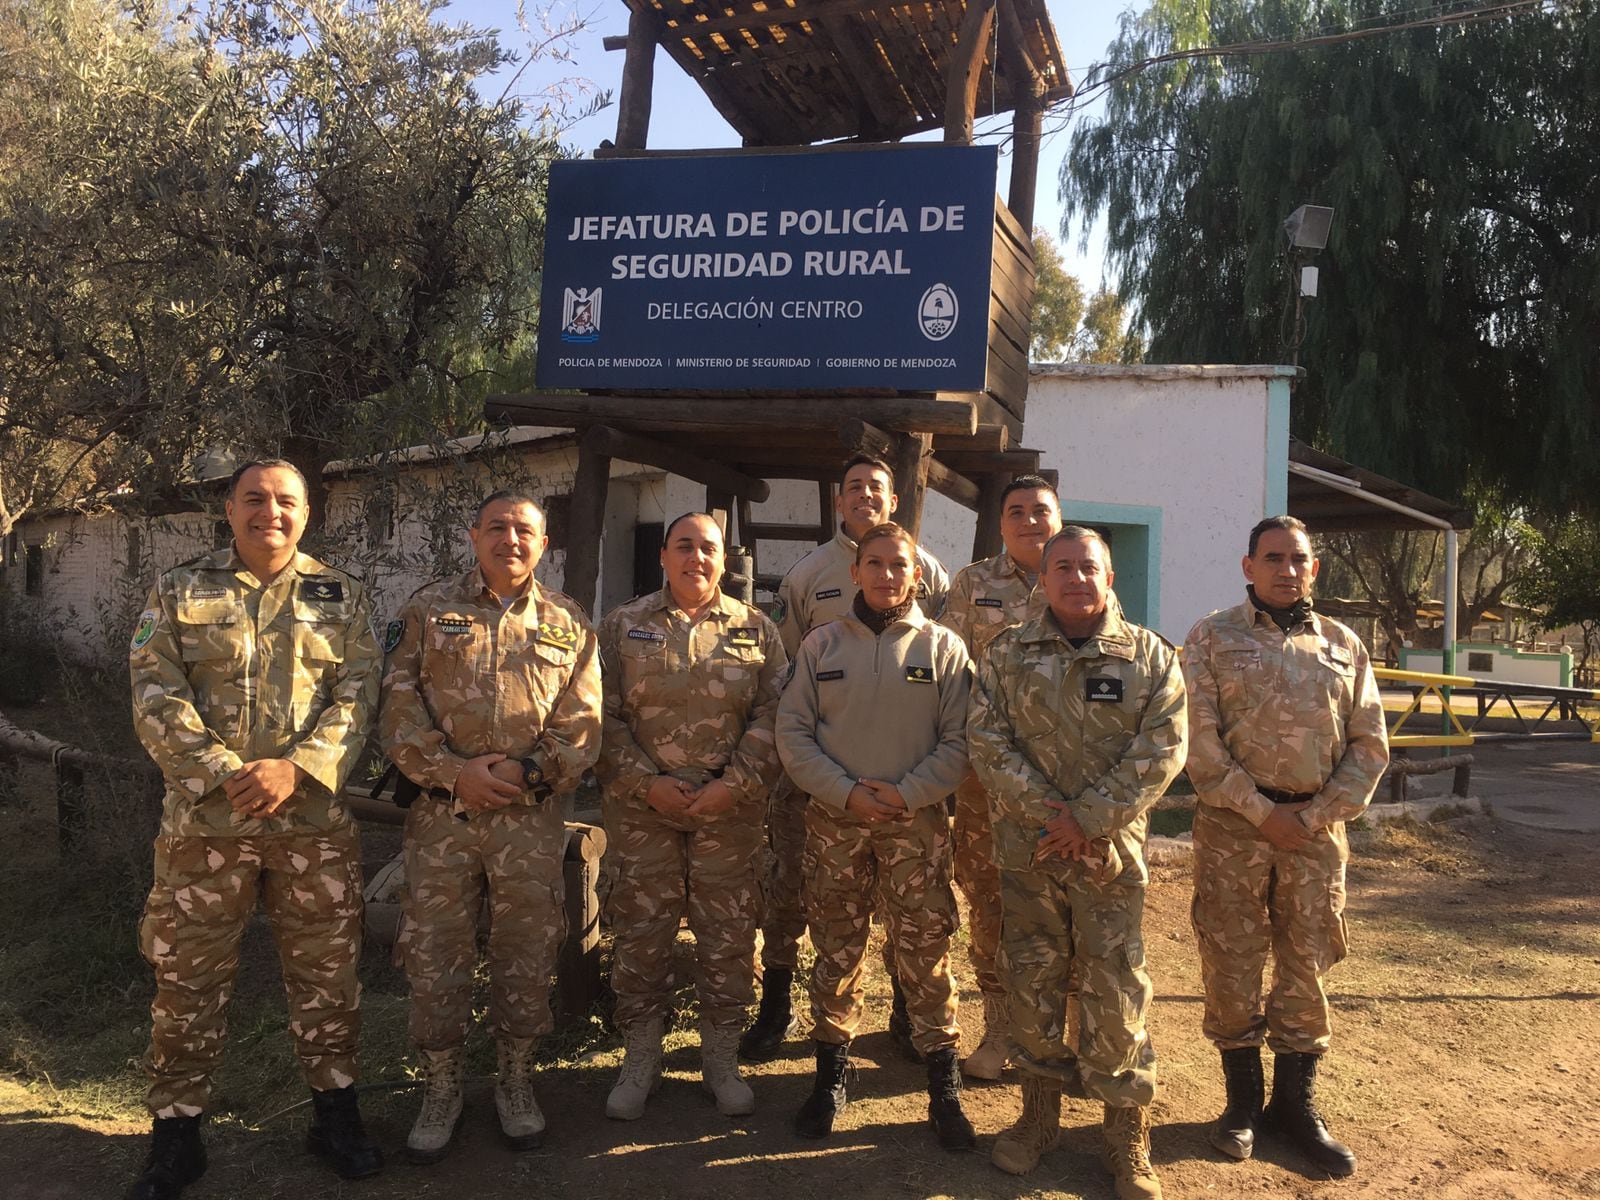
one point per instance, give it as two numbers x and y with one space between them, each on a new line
507 494
666 534
866 460
886 529
1292 524
266 464
1076 533
1029 483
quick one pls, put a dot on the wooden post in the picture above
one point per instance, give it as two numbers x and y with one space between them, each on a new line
720 505
986 541
585 523
966 71
578 967
638 80
910 463
827 519
1027 125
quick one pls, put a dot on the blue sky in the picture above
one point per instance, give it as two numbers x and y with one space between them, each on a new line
682 117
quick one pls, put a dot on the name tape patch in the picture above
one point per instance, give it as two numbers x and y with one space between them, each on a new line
825 676
207 592
989 602
453 624
1103 688
646 635
830 594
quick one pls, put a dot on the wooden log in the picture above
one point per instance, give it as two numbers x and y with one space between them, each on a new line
614 443
638 81
585 522
1027 128
910 457
578 979
827 515
966 70
856 434
952 413
986 542
1010 463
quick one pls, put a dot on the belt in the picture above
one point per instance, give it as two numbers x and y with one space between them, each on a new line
1278 797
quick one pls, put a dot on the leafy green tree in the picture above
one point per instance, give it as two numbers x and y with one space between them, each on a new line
299 226
1564 582
1453 343
1057 301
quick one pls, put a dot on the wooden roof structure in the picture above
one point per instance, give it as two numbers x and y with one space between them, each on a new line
793 72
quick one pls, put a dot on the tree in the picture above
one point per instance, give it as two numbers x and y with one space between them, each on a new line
293 226
1105 336
1453 341
1065 327
1564 582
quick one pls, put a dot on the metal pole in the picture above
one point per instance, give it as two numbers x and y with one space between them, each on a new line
1452 585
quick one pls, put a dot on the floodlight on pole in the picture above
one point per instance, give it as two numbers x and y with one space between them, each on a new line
1307 227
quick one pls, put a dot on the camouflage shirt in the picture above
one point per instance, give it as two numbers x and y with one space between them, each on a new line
695 701
889 706
818 589
1101 727
466 677
227 670
986 597
1296 712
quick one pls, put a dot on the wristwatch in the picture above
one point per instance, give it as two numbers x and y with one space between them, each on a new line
533 779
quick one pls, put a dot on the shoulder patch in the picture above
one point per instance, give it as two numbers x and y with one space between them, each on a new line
557 636
330 591
392 635
779 610
145 630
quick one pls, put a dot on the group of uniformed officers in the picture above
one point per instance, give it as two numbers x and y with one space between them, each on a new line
785 775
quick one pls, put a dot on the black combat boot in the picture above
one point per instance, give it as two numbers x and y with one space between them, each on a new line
176 1159
900 1022
1293 1115
337 1135
774 1019
1234 1134
954 1131
815 1118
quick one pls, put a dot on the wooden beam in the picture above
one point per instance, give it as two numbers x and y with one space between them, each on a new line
978 463
614 443
1027 128
638 80
881 108
986 542
910 458
775 18
857 435
585 523
966 70
955 415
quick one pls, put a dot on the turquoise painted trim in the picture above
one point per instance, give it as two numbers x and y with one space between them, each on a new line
1276 493
1136 534
1565 659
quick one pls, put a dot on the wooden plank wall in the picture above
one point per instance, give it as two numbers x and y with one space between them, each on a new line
1010 312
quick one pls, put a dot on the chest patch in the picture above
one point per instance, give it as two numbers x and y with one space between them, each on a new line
1102 687
826 676
554 635
919 674
207 592
330 591
1337 655
989 602
743 637
453 624
646 635
829 594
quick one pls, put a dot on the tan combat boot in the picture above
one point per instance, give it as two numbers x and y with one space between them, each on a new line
1036 1132
989 1059
719 1071
520 1118
641 1071
1127 1134
441 1106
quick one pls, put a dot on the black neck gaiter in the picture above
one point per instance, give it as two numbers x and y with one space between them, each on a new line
879 621
1285 619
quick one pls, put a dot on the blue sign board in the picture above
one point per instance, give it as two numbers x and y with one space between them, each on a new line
789 272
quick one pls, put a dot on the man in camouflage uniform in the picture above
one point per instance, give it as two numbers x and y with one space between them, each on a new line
984 598
254 674
1288 743
872 728
692 680
819 589
491 705
1077 728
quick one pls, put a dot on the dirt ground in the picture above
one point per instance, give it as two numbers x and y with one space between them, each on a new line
1464 1068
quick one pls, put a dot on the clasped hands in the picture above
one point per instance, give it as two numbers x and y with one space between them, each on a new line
677 798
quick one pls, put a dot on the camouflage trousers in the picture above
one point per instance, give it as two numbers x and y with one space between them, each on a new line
663 872
205 890
783 921
1059 923
904 865
1249 898
979 881
510 858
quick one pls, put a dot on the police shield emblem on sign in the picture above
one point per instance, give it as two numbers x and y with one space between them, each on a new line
580 315
938 312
